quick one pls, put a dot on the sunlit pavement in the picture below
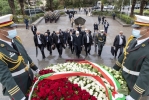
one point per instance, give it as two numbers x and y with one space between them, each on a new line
64 23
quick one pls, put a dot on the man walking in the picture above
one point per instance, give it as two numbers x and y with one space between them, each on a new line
49 42
26 23
100 41
106 25
94 39
40 42
134 62
16 66
103 19
77 43
119 43
99 19
59 43
70 41
34 29
87 42
95 26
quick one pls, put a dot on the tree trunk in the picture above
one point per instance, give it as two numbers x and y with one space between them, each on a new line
21 2
142 7
101 6
132 8
12 6
51 3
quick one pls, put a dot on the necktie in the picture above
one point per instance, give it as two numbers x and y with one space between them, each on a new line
14 46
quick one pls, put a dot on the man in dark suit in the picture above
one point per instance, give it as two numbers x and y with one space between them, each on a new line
70 41
16 66
34 29
106 25
87 41
99 19
40 42
59 43
95 26
77 43
48 31
49 42
119 43
103 19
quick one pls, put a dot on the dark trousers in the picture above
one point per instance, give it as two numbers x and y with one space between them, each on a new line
77 50
41 47
121 50
100 49
49 47
87 48
34 32
99 21
106 29
59 48
71 47
27 27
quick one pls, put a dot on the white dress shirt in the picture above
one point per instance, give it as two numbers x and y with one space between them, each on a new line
87 38
141 41
39 41
71 38
121 40
9 43
58 39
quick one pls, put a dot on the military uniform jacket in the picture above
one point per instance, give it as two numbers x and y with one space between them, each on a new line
100 38
15 74
135 68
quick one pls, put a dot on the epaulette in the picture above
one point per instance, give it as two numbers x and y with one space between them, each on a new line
19 39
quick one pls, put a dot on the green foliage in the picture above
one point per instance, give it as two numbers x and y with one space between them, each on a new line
4 7
125 18
20 19
105 13
145 12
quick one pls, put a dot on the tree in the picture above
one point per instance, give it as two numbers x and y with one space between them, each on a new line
49 5
132 8
21 2
102 4
12 6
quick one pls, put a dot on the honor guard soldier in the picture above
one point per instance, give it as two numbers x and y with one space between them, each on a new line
134 62
100 40
15 64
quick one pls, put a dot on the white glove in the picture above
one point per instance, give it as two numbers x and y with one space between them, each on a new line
37 71
129 98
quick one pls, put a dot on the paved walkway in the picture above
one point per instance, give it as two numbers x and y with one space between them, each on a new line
64 23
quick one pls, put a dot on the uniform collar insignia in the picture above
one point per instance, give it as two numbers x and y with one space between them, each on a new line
11 54
2 45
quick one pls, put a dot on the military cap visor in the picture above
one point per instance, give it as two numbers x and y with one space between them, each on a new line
135 26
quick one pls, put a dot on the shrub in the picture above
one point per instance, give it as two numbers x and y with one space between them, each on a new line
20 19
125 18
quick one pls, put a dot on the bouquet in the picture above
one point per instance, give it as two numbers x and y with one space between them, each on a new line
82 80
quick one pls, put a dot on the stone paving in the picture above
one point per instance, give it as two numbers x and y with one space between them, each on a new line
64 23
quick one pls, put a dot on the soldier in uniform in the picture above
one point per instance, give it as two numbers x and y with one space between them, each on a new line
134 62
15 64
100 40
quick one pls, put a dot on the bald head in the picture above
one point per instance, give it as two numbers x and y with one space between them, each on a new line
38 33
57 32
121 32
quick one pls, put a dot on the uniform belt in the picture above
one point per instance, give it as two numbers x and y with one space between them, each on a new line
130 72
100 41
20 71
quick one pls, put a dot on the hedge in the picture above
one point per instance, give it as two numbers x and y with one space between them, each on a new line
19 19
123 17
